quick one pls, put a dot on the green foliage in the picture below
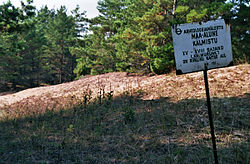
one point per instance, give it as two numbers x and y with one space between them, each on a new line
240 31
83 67
60 34
128 114
9 18
161 65
181 9
135 36
35 47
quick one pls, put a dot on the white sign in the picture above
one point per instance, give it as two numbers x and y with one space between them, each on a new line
200 44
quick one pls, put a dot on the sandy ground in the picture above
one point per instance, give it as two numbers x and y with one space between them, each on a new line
121 81
118 82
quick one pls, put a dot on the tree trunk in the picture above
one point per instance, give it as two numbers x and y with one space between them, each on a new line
174 7
61 66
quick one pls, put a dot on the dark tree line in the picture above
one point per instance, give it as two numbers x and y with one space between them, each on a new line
50 46
35 45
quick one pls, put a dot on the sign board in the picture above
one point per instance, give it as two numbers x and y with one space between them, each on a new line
200 44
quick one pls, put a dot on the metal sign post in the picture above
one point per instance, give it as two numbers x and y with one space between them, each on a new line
200 47
210 115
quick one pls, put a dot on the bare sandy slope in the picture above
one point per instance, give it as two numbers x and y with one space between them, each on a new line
237 76
117 82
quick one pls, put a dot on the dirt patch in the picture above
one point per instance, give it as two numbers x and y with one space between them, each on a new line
154 86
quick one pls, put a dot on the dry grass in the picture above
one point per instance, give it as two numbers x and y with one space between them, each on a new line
117 118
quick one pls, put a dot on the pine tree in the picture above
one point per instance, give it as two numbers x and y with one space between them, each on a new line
239 21
13 21
61 34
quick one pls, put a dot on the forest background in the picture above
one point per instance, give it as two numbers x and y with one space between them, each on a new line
49 46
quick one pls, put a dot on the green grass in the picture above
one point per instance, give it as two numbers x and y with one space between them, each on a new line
127 129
